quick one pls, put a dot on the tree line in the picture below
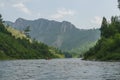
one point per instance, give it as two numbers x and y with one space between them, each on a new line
17 48
108 46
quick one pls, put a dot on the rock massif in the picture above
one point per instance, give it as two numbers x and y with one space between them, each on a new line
63 35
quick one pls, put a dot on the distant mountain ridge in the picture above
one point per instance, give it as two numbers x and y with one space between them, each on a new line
14 46
63 35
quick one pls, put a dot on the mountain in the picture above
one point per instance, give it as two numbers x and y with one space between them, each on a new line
14 46
63 35
108 47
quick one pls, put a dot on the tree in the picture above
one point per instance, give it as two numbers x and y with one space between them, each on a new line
27 31
108 47
104 27
2 27
1 20
119 4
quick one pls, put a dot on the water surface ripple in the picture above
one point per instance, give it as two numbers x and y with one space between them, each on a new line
59 69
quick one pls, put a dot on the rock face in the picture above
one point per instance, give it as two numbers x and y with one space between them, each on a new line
63 35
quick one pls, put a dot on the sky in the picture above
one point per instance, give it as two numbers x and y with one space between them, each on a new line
84 14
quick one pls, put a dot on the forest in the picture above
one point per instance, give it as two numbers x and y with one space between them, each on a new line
23 48
108 46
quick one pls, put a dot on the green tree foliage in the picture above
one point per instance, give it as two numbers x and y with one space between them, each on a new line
27 31
1 20
17 48
2 28
107 48
119 4
104 27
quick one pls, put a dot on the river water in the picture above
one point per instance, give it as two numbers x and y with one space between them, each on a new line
59 69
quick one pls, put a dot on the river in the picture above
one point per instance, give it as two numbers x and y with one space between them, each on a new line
59 69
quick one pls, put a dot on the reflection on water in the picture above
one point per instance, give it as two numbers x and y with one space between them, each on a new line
59 69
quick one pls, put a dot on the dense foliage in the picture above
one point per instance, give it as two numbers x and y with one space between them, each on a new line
108 47
17 48
79 52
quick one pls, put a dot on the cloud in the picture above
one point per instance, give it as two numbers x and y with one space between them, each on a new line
22 8
2 5
15 1
97 20
61 13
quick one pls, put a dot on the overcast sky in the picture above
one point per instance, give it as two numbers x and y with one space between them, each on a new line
84 14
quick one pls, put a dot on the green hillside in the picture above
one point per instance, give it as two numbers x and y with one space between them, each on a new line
20 47
79 52
108 47
16 33
63 35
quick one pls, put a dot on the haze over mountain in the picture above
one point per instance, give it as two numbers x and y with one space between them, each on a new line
14 46
63 35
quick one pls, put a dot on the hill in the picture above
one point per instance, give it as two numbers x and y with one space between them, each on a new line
62 35
108 47
20 47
